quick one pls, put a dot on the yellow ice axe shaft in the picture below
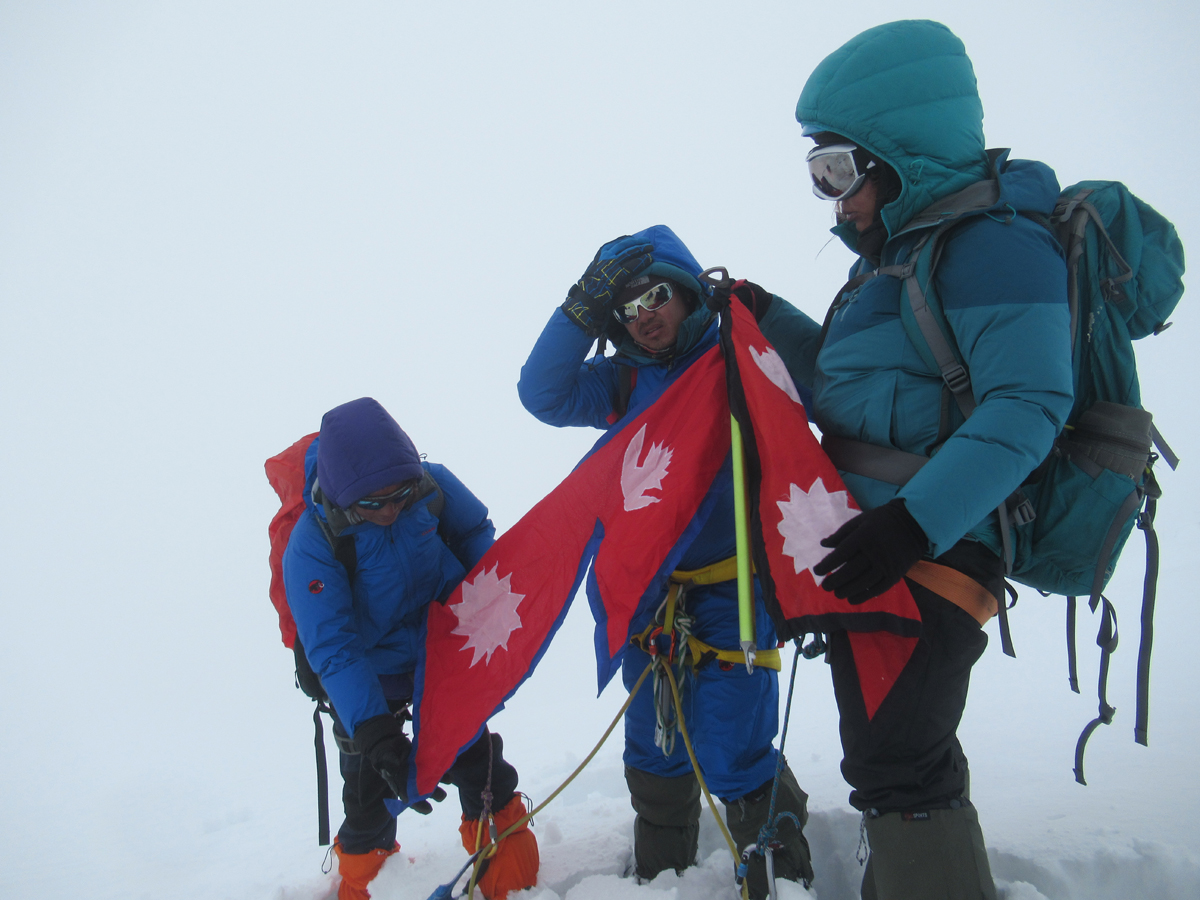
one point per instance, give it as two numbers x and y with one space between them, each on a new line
741 523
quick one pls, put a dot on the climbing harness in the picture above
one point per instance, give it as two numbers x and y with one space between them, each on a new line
670 639
673 651
960 589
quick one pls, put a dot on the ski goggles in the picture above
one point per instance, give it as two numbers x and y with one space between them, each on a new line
835 174
655 298
399 496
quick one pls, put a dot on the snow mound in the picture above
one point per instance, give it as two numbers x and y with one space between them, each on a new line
586 848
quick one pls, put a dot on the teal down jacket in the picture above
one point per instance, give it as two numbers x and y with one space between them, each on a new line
906 92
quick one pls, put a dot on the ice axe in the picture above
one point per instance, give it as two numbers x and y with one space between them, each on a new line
718 277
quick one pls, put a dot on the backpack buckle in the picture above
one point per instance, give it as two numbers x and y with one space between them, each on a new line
1020 510
957 379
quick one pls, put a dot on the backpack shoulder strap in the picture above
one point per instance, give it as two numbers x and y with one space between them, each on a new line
923 312
341 544
626 379
940 218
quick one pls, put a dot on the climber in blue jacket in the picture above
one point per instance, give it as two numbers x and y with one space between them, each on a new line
642 293
383 535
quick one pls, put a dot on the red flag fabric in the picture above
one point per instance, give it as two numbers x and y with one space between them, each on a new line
627 505
798 498
623 510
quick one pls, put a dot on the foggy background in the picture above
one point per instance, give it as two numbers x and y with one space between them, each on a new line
219 220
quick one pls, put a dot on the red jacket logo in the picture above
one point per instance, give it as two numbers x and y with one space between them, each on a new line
316 586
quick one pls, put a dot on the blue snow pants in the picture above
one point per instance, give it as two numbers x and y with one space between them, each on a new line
732 716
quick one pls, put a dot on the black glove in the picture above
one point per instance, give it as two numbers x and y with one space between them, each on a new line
590 300
755 298
874 550
382 741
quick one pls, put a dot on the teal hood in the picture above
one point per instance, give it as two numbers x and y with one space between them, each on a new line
906 93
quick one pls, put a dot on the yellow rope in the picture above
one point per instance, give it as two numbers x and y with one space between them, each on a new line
491 849
687 742
478 859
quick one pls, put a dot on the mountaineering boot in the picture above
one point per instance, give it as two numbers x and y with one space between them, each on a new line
791 856
515 864
358 870
666 830
935 854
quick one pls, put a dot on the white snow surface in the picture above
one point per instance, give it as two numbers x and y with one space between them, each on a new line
219 220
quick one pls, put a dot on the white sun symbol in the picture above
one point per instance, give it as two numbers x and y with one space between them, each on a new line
487 614
809 516
771 365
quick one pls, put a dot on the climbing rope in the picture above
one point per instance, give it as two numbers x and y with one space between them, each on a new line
687 742
446 891
485 815
663 670
770 829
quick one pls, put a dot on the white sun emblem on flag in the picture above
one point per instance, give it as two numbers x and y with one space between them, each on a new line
487 614
636 479
809 516
771 364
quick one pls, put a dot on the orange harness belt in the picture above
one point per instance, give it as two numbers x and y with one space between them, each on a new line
961 590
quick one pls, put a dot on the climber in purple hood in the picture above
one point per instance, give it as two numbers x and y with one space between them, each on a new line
383 535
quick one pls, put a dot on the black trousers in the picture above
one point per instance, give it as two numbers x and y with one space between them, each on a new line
908 756
368 824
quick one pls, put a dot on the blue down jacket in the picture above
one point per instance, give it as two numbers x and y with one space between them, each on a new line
1001 282
356 635
733 715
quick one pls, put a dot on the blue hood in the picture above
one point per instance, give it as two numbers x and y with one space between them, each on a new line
671 259
362 450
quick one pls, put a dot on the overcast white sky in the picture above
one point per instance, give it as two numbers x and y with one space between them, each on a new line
218 220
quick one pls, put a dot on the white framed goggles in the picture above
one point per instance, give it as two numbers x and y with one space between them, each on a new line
835 174
655 298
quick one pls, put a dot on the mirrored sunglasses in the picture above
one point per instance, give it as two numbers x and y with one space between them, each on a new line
835 174
655 298
398 496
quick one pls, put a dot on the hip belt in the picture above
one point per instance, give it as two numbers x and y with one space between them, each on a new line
897 467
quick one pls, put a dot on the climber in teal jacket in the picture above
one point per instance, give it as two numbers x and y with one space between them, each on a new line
897 122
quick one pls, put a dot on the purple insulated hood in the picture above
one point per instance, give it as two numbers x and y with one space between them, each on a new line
363 450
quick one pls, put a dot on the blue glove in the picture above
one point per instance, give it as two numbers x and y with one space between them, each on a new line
590 300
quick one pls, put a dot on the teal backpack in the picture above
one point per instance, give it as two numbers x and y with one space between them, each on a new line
1064 529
